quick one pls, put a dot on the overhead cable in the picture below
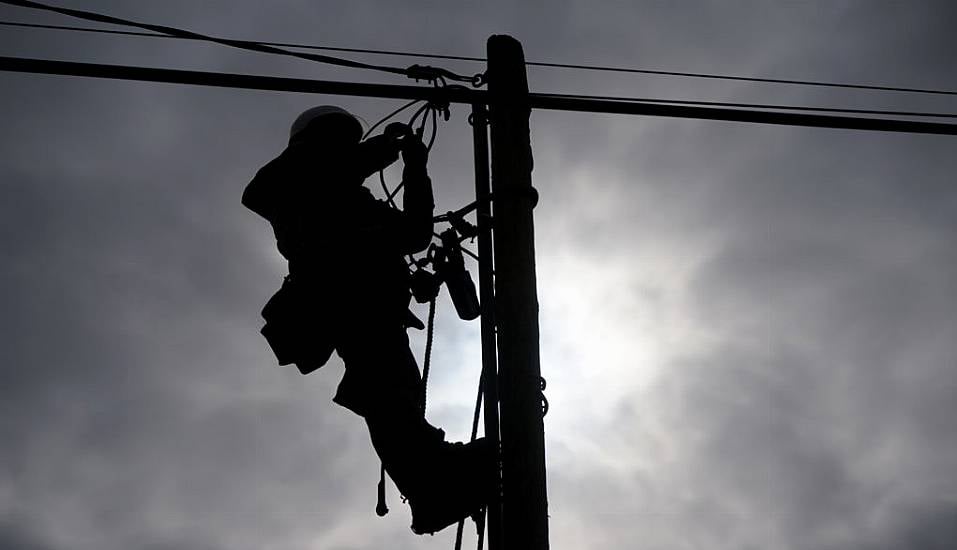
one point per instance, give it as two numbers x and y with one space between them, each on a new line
464 95
394 53
416 71
767 106
584 96
576 66
744 78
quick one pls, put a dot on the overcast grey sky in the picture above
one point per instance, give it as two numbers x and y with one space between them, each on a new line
749 333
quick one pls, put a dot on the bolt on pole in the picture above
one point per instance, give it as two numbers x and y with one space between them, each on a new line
524 499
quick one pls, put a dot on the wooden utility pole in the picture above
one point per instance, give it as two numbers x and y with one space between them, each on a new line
524 499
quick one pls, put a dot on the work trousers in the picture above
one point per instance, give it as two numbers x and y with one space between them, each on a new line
383 385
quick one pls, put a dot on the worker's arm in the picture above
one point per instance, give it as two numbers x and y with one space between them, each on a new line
409 230
418 202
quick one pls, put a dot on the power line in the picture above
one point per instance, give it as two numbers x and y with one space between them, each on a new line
416 71
468 96
745 78
776 107
598 97
576 66
24 25
589 105
394 53
241 81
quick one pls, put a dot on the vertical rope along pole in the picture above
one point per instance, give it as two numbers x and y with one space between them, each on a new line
487 293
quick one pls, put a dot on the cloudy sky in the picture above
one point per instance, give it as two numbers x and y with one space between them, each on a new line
749 332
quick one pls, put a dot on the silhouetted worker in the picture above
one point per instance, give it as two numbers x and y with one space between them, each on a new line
348 290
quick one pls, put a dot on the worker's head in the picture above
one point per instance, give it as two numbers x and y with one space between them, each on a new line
326 123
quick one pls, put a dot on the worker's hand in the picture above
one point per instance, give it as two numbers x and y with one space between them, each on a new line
397 131
414 152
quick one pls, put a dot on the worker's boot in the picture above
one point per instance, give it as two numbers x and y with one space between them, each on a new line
459 486
443 482
409 449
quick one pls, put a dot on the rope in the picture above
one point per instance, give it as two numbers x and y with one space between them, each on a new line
427 360
475 420
381 508
426 368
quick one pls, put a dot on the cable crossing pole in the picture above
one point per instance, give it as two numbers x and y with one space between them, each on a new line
463 95
524 499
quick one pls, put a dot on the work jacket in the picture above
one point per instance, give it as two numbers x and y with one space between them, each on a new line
346 249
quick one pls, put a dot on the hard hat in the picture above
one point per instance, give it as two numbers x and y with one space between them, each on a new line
309 115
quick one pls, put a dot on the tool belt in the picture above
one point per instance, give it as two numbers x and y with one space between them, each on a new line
296 329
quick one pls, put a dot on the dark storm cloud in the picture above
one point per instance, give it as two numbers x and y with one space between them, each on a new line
121 251
139 406
820 421
14 535
830 280
858 294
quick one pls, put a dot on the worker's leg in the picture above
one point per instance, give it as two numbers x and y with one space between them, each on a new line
410 449
382 384
443 482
